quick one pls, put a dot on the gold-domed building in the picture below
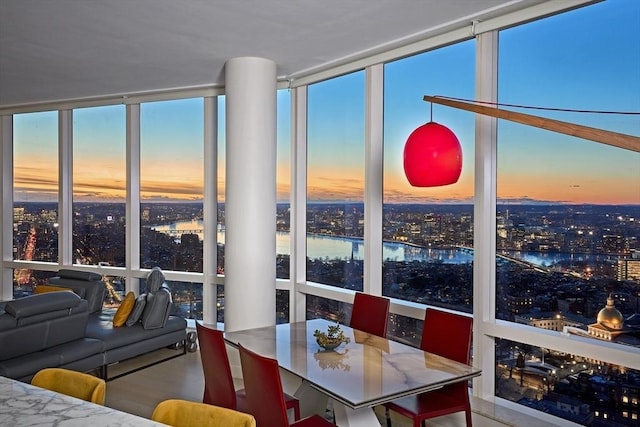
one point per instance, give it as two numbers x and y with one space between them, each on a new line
609 323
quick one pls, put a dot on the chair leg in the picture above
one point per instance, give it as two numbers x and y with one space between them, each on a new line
467 414
388 416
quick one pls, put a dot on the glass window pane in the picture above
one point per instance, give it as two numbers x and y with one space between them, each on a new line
579 389
115 290
567 214
428 232
186 298
283 182
325 308
222 139
282 306
171 184
35 191
568 208
99 185
23 288
335 181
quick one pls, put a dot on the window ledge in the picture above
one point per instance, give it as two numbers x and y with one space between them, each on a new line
490 412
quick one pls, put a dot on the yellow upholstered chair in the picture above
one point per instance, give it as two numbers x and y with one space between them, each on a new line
183 413
72 383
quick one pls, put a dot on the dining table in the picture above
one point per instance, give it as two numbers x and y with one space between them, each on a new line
26 405
366 371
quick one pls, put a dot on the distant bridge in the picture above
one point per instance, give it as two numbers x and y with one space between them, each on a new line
178 233
518 261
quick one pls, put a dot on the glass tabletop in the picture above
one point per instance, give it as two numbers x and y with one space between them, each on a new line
367 371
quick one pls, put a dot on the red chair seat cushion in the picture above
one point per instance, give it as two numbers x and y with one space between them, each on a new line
446 400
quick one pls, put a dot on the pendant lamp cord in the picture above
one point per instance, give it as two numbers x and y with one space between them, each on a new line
499 104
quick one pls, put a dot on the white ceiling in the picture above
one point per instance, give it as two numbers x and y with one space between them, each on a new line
69 49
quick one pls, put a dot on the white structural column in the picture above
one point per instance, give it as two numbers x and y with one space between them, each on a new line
250 194
484 227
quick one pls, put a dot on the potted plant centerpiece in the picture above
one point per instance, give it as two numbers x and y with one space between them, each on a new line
332 338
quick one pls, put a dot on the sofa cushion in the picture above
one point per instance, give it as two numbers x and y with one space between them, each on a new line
156 312
100 326
26 365
45 329
42 303
138 308
75 350
122 314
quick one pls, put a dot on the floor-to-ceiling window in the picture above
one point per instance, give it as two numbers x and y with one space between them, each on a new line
99 192
35 195
335 185
336 153
567 213
427 231
283 184
171 194
99 178
283 209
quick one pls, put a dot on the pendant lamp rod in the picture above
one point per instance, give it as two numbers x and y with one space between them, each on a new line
620 140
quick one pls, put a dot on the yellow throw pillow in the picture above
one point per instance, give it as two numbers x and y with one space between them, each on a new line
40 289
124 310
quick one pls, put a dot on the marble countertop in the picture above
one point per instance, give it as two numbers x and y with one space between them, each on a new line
23 405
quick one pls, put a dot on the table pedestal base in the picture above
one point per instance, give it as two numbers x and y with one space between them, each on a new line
311 400
347 417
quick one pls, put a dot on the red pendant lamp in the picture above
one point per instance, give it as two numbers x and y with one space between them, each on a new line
432 156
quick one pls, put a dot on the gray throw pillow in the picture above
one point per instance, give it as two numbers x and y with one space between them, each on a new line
137 311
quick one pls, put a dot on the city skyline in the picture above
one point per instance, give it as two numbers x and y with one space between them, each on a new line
574 65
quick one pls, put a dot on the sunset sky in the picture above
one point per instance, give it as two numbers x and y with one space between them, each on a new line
585 59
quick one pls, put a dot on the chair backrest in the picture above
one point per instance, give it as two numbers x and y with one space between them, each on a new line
182 413
218 381
370 314
447 334
263 386
72 383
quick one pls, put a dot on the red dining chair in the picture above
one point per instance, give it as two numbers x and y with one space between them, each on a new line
370 314
265 401
448 335
218 381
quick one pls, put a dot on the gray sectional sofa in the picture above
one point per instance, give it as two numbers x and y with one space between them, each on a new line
70 329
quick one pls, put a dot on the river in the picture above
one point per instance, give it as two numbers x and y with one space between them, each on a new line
331 247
